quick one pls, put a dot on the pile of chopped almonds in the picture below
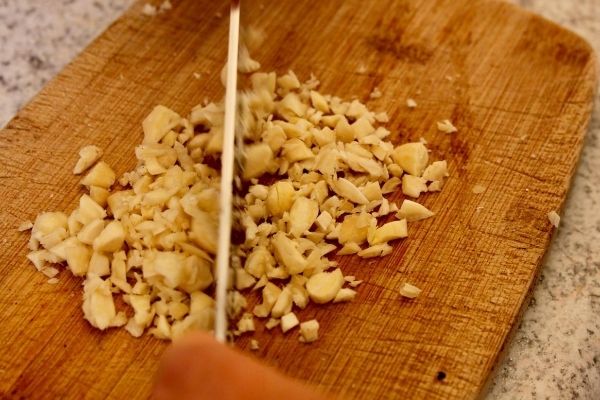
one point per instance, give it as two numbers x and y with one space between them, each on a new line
317 170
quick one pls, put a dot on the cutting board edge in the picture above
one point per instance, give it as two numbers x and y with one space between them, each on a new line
593 71
503 353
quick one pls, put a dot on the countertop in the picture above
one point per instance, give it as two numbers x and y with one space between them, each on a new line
555 353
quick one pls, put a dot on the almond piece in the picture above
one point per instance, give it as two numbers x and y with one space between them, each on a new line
283 305
257 160
303 214
111 238
78 258
323 287
88 155
280 198
390 231
409 291
289 321
348 190
309 331
345 294
412 157
437 171
413 211
413 186
91 231
100 175
287 252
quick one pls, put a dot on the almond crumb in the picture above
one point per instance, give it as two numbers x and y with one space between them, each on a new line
309 331
409 291
165 6
478 189
25 226
289 321
446 126
554 218
149 10
375 94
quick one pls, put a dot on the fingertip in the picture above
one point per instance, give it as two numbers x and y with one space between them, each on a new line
199 367
196 355
195 340
186 349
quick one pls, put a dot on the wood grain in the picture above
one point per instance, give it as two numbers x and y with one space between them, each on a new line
518 88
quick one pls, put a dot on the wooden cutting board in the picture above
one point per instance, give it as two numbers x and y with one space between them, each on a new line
518 88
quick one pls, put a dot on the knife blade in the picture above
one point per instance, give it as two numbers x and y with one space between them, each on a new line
227 175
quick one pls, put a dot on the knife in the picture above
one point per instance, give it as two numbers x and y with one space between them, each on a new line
227 174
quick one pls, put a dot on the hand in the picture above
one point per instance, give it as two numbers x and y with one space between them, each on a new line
198 367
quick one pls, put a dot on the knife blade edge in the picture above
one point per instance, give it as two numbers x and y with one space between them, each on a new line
227 174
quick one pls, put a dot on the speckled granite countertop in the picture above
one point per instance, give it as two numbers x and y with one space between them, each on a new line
556 351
